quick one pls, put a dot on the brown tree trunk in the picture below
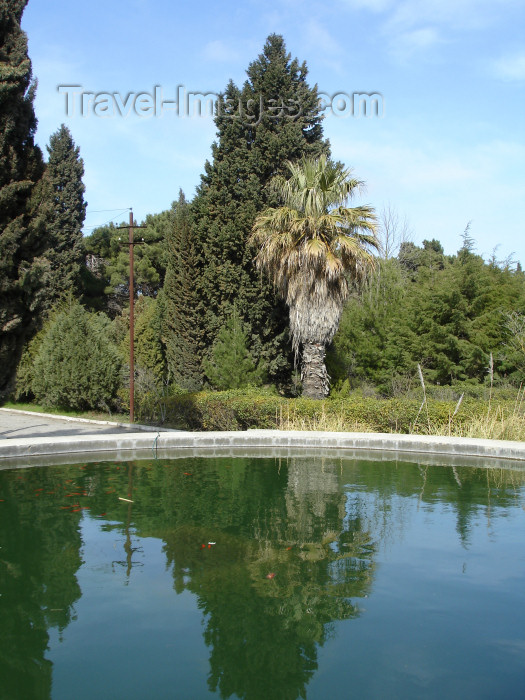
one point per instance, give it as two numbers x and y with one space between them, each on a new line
316 382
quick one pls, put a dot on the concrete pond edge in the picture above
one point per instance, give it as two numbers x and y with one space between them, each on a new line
156 443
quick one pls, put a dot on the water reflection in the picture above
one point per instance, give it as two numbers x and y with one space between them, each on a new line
271 588
39 557
276 552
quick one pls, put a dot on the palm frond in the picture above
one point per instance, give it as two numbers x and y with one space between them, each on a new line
309 245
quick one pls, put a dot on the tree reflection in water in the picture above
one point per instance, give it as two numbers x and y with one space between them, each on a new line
294 547
39 557
264 632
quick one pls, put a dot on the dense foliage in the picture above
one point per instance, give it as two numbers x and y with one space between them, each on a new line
231 365
449 314
76 364
182 306
245 409
22 270
106 254
205 316
275 117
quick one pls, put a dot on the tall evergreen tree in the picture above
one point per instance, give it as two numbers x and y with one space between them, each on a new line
181 304
22 271
274 118
62 211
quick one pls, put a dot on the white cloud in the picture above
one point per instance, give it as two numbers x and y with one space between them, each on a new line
452 14
510 68
459 14
324 46
220 51
417 26
440 186
408 43
371 5
320 37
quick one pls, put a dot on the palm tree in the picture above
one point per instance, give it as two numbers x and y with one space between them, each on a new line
310 247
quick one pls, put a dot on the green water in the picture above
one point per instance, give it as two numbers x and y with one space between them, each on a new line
262 579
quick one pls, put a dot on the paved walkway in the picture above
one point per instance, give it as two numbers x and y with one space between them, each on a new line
24 424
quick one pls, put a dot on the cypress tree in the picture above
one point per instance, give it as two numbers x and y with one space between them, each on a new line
275 117
62 211
22 270
181 305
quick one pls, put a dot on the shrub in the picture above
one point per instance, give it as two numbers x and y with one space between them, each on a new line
252 408
76 365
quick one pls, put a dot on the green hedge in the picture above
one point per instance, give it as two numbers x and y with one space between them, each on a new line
245 409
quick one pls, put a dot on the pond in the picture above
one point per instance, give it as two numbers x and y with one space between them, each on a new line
263 578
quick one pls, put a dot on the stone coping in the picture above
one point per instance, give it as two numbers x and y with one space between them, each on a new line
425 449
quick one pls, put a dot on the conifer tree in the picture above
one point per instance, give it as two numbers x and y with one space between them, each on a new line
275 117
106 274
77 364
62 211
181 305
231 365
22 270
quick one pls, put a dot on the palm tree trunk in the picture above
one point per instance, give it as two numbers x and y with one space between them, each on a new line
316 382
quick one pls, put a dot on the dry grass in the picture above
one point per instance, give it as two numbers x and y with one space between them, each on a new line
497 423
323 421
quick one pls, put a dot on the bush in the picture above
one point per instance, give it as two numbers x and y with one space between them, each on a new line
76 365
252 408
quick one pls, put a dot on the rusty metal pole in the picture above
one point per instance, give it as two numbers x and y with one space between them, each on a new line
131 227
131 324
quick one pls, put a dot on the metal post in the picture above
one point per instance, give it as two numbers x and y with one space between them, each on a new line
131 324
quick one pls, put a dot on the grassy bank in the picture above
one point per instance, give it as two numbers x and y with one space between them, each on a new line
501 418
496 418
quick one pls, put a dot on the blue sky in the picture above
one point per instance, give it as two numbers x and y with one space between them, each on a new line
449 148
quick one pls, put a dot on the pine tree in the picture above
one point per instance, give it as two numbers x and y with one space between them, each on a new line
231 365
274 118
62 211
181 305
106 274
22 270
